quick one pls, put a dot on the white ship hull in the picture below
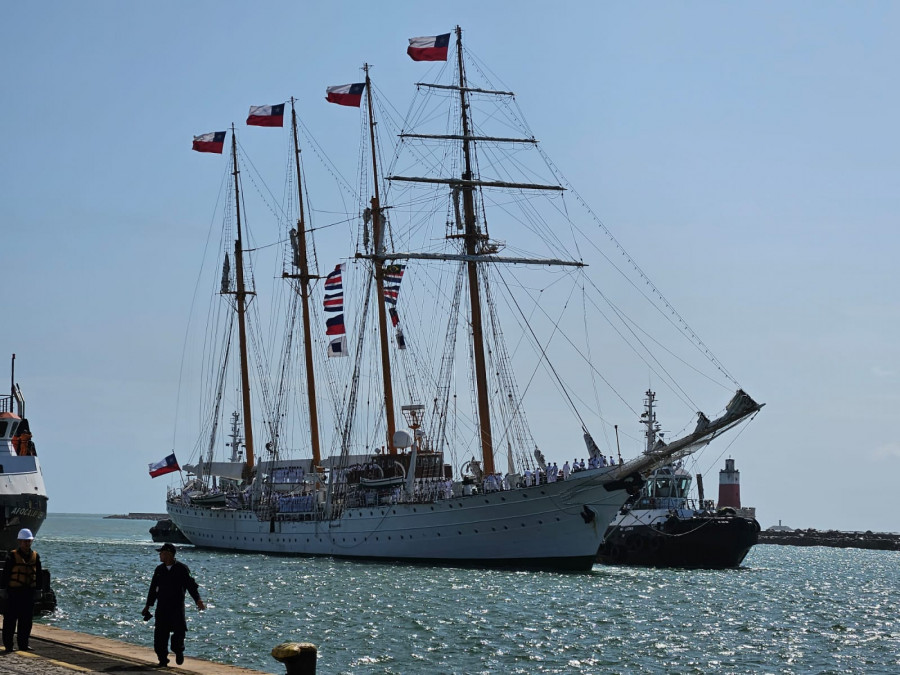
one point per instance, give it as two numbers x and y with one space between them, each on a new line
23 497
552 526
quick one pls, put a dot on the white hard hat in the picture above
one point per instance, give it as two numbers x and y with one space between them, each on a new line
25 534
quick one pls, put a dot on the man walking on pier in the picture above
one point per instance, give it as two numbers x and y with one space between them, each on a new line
20 581
171 579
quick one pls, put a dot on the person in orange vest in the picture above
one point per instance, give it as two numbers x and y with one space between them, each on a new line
19 583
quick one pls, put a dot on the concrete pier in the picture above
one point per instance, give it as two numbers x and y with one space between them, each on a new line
59 652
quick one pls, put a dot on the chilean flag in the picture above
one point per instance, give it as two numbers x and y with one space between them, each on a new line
213 142
167 465
346 94
266 115
433 48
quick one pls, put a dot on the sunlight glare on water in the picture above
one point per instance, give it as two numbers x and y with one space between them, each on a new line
788 610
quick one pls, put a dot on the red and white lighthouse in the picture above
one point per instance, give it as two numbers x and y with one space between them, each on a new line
730 486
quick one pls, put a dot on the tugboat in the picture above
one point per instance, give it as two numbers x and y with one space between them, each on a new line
167 532
661 527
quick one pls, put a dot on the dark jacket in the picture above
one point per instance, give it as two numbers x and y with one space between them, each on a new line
167 589
19 572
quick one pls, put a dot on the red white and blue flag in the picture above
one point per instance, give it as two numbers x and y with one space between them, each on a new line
346 94
211 142
266 115
334 325
164 466
334 302
393 275
432 48
334 281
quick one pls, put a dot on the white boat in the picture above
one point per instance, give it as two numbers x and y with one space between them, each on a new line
23 497
388 493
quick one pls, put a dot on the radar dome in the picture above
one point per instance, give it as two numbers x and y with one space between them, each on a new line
402 439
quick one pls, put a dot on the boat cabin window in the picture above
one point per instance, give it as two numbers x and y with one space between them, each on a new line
669 486
661 487
3 428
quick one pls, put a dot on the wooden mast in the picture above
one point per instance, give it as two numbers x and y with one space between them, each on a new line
471 238
378 262
240 298
302 262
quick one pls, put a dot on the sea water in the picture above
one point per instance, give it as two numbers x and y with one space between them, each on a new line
787 610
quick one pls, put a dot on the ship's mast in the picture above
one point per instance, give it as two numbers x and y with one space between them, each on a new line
301 261
241 300
378 262
471 239
648 418
235 436
474 253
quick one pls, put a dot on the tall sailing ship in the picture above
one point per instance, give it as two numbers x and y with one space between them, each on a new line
23 497
412 471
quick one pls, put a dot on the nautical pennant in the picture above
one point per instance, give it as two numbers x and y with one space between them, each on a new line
338 347
393 275
211 142
334 282
432 48
334 302
266 115
335 325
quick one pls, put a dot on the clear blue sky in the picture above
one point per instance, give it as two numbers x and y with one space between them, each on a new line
746 154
